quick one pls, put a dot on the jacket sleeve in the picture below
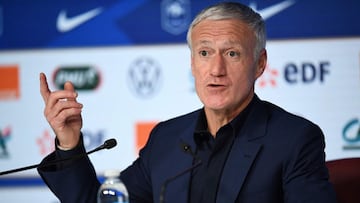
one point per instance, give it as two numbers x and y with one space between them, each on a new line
71 181
305 174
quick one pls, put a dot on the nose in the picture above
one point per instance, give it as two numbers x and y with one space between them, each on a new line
218 67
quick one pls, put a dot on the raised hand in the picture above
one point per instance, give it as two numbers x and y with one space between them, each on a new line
62 112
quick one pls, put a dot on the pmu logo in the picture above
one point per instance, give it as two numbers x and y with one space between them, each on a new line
4 137
351 134
82 77
175 16
145 77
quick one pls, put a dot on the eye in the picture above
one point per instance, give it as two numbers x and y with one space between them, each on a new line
204 53
233 53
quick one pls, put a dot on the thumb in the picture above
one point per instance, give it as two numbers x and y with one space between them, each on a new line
68 86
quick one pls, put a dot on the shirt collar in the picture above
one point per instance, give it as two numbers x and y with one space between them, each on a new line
201 132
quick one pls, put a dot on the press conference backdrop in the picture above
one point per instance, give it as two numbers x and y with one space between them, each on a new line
131 67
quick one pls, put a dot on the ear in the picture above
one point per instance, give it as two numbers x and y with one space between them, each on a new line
261 63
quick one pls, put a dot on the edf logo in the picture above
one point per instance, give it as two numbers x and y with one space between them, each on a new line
306 72
93 139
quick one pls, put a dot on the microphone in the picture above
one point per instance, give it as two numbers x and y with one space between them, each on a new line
108 144
187 149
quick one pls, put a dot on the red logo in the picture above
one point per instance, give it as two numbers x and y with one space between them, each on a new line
46 143
268 78
9 82
143 130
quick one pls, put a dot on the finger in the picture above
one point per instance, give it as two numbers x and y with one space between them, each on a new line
68 94
61 110
65 114
60 123
68 86
44 88
60 96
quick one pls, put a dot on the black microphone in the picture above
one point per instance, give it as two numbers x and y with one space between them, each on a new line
186 148
108 144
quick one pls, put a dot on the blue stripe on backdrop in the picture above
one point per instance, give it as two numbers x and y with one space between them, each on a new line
26 181
21 182
49 24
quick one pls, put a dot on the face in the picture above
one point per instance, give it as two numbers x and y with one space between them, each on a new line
223 64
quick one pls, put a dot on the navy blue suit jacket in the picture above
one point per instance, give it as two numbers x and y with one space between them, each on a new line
277 157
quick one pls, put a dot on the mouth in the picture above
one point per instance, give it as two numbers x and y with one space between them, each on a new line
215 86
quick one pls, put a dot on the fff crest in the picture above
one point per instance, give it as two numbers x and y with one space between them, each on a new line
175 16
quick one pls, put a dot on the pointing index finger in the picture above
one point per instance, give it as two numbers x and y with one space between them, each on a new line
44 87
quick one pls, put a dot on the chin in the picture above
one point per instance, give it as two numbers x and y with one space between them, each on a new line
215 106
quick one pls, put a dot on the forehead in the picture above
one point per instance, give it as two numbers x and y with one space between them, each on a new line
228 30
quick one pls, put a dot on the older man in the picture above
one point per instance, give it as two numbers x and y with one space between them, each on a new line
249 150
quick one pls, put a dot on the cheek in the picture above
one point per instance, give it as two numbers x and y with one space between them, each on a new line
243 79
197 70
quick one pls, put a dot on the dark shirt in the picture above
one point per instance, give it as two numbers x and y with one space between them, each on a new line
213 152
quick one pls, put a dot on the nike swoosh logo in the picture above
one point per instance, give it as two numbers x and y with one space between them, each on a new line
272 10
65 24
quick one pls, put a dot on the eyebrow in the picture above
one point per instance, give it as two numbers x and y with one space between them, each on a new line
227 43
203 42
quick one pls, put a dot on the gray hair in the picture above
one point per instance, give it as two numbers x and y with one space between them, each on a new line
231 10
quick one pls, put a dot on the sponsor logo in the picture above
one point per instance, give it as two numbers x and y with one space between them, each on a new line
9 82
351 134
45 143
66 24
5 135
93 139
270 11
295 74
82 77
145 77
175 16
268 78
143 130
306 72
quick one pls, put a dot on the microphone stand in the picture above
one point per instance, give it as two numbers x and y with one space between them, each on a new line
187 149
167 181
108 144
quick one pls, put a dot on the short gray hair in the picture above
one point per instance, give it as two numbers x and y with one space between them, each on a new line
231 10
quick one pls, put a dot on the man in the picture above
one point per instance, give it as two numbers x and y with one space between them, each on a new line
249 150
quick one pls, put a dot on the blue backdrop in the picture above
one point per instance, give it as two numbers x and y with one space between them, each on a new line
49 24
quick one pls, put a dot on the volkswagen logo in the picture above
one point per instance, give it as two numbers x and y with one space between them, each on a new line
145 77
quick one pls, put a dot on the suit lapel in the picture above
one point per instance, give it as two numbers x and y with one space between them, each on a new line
178 188
242 154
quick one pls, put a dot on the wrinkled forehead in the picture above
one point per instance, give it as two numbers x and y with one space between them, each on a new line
229 30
